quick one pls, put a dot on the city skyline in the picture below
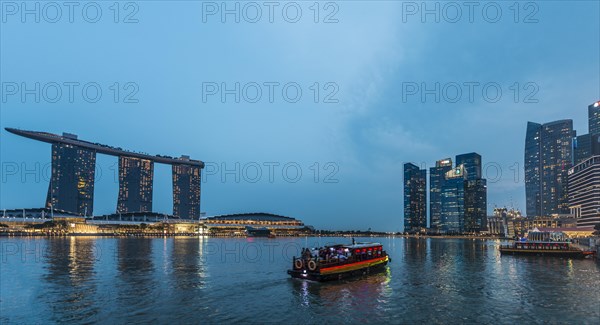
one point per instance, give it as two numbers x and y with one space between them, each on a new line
553 152
471 164
368 161
390 99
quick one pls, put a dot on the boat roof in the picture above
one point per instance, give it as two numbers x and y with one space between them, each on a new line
352 246
362 245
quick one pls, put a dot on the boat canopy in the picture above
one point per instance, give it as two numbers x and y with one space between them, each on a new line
362 245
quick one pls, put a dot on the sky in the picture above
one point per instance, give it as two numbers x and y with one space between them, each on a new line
303 110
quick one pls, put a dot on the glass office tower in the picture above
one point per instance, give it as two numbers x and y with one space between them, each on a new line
415 198
437 176
453 201
475 205
548 157
472 163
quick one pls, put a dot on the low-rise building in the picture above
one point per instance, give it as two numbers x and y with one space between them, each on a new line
236 224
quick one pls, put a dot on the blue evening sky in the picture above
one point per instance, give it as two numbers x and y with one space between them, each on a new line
371 54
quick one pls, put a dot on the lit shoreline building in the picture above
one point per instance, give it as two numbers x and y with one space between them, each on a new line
452 218
415 198
71 186
584 192
236 224
548 156
463 196
437 175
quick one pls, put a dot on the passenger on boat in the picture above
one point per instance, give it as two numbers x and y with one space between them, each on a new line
306 254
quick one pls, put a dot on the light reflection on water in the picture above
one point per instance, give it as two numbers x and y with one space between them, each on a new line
190 280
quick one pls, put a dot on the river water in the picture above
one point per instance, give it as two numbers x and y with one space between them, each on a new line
226 280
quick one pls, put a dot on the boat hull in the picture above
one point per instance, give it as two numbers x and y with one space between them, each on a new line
369 267
540 252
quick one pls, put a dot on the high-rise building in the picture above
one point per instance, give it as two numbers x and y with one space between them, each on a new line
437 176
475 205
186 191
453 200
594 128
533 186
472 163
135 185
556 156
548 157
584 192
71 186
415 198
595 144
582 148
587 145
594 118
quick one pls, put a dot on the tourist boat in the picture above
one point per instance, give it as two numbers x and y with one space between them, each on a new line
546 244
339 261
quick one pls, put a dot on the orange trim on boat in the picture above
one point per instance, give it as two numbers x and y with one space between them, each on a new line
351 266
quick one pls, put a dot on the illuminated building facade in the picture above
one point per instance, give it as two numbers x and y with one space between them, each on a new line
533 186
236 224
472 163
582 148
135 185
475 205
584 192
437 176
594 118
71 185
588 145
453 200
186 191
548 157
415 198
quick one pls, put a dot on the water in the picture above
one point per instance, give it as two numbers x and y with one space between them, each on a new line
216 280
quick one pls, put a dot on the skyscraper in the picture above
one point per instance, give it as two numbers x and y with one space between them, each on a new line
415 198
186 191
582 148
557 155
548 157
533 163
587 145
472 163
135 184
594 118
584 192
71 186
594 128
437 176
475 205
453 200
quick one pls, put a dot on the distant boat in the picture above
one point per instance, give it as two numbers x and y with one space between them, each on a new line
545 244
339 261
258 232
